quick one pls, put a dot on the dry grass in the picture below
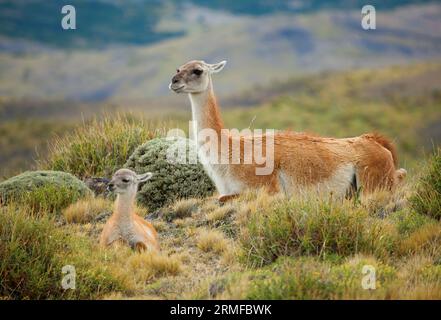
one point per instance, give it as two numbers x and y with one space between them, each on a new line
181 209
320 249
87 210
211 241
219 214
148 265
426 239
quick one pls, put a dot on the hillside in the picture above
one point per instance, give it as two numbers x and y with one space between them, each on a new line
300 42
109 22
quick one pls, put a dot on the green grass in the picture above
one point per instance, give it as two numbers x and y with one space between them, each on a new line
309 278
427 197
99 147
33 253
300 227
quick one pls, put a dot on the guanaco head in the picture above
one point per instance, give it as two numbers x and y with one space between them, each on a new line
126 181
194 76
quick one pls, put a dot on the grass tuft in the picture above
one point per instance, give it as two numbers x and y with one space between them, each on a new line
153 265
100 146
296 227
181 209
34 251
427 198
86 210
212 241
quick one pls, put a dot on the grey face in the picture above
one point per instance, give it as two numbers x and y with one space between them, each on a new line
126 181
194 76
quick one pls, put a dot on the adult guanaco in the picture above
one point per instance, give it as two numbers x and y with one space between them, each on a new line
367 162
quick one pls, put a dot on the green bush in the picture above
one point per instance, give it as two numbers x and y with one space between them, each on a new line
427 198
43 191
170 181
33 252
99 147
313 227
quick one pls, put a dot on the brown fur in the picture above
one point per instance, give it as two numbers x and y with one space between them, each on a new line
386 143
124 224
113 227
305 159
310 160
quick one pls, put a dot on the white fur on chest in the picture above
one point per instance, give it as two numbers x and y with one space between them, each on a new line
220 174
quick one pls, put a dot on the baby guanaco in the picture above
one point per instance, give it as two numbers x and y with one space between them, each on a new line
125 224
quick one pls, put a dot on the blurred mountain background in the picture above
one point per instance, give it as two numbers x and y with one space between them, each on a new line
306 65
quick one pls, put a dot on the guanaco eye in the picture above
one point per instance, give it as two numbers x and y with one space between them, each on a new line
125 180
197 72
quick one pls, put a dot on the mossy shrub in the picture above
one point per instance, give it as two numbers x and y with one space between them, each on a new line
43 191
427 198
99 147
171 180
34 251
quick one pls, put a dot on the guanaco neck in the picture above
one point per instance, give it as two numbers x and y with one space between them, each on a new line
124 208
205 111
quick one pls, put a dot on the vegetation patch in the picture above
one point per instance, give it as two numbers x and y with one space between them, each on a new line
304 278
172 180
100 146
48 191
154 265
212 241
181 209
427 198
34 251
86 210
298 227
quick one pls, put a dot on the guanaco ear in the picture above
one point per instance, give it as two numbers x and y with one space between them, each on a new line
217 67
144 177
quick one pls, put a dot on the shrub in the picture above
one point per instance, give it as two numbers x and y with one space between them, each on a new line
313 227
33 253
427 198
170 181
99 147
43 190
